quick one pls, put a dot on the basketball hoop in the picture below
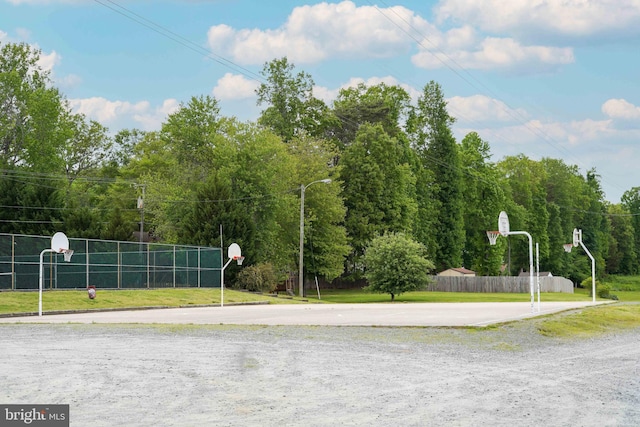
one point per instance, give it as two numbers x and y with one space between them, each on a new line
67 254
567 247
238 259
493 237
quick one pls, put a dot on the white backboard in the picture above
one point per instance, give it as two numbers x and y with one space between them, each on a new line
503 224
59 242
234 251
576 237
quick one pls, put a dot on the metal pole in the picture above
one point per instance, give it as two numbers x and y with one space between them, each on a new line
538 273
300 261
593 267
222 283
86 262
13 262
41 281
524 233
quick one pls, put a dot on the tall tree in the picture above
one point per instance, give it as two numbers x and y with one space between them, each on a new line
215 206
354 106
525 183
484 199
631 202
622 257
30 110
325 237
378 189
429 127
291 107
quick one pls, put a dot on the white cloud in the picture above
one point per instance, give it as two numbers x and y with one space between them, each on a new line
481 108
314 33
153 119
492 53
111 112
48 61
68 81
574 18
621 109
234 86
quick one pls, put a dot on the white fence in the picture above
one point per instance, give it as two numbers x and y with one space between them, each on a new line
499 284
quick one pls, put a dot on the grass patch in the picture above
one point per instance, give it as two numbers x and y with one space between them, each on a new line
27 302
592 321
623 283
358 296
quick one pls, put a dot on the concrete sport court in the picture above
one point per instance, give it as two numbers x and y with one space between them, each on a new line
388 314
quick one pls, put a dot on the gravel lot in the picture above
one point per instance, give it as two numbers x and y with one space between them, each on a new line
185 375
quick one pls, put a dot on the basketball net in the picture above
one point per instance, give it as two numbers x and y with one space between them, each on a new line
493 237
67 254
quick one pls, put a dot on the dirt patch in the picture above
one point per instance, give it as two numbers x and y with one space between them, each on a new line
181 375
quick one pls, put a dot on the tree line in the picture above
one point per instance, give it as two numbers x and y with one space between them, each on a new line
394 164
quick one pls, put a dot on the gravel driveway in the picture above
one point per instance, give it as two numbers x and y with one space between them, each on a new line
186 375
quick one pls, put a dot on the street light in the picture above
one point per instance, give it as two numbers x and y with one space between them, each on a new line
300 263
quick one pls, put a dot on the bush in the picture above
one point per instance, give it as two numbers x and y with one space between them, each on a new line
395 264
258 278
602 290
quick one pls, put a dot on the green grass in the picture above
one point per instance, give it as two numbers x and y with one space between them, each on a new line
592 321
623 283
358 296
27 302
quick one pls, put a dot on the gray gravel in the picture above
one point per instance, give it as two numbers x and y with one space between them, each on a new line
185 375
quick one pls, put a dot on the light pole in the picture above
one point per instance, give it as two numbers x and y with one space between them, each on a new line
301 262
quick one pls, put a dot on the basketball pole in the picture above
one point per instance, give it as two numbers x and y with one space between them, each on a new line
41 280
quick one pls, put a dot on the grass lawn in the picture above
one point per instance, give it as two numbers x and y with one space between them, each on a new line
359 296
27 302
592 321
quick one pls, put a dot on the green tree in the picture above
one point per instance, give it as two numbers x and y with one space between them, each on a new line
429 127
325 237
214 207
396 264
378 104
622 258
86 146
117 227
484 199
30 111
291 107
631 203
525 186
377 188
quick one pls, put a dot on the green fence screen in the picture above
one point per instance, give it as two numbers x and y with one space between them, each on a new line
107 264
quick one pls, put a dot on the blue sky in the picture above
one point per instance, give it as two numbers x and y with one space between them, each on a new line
550 78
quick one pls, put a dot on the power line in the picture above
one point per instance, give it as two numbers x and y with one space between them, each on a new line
165 32
509 110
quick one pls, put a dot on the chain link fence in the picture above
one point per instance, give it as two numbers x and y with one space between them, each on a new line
106 264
